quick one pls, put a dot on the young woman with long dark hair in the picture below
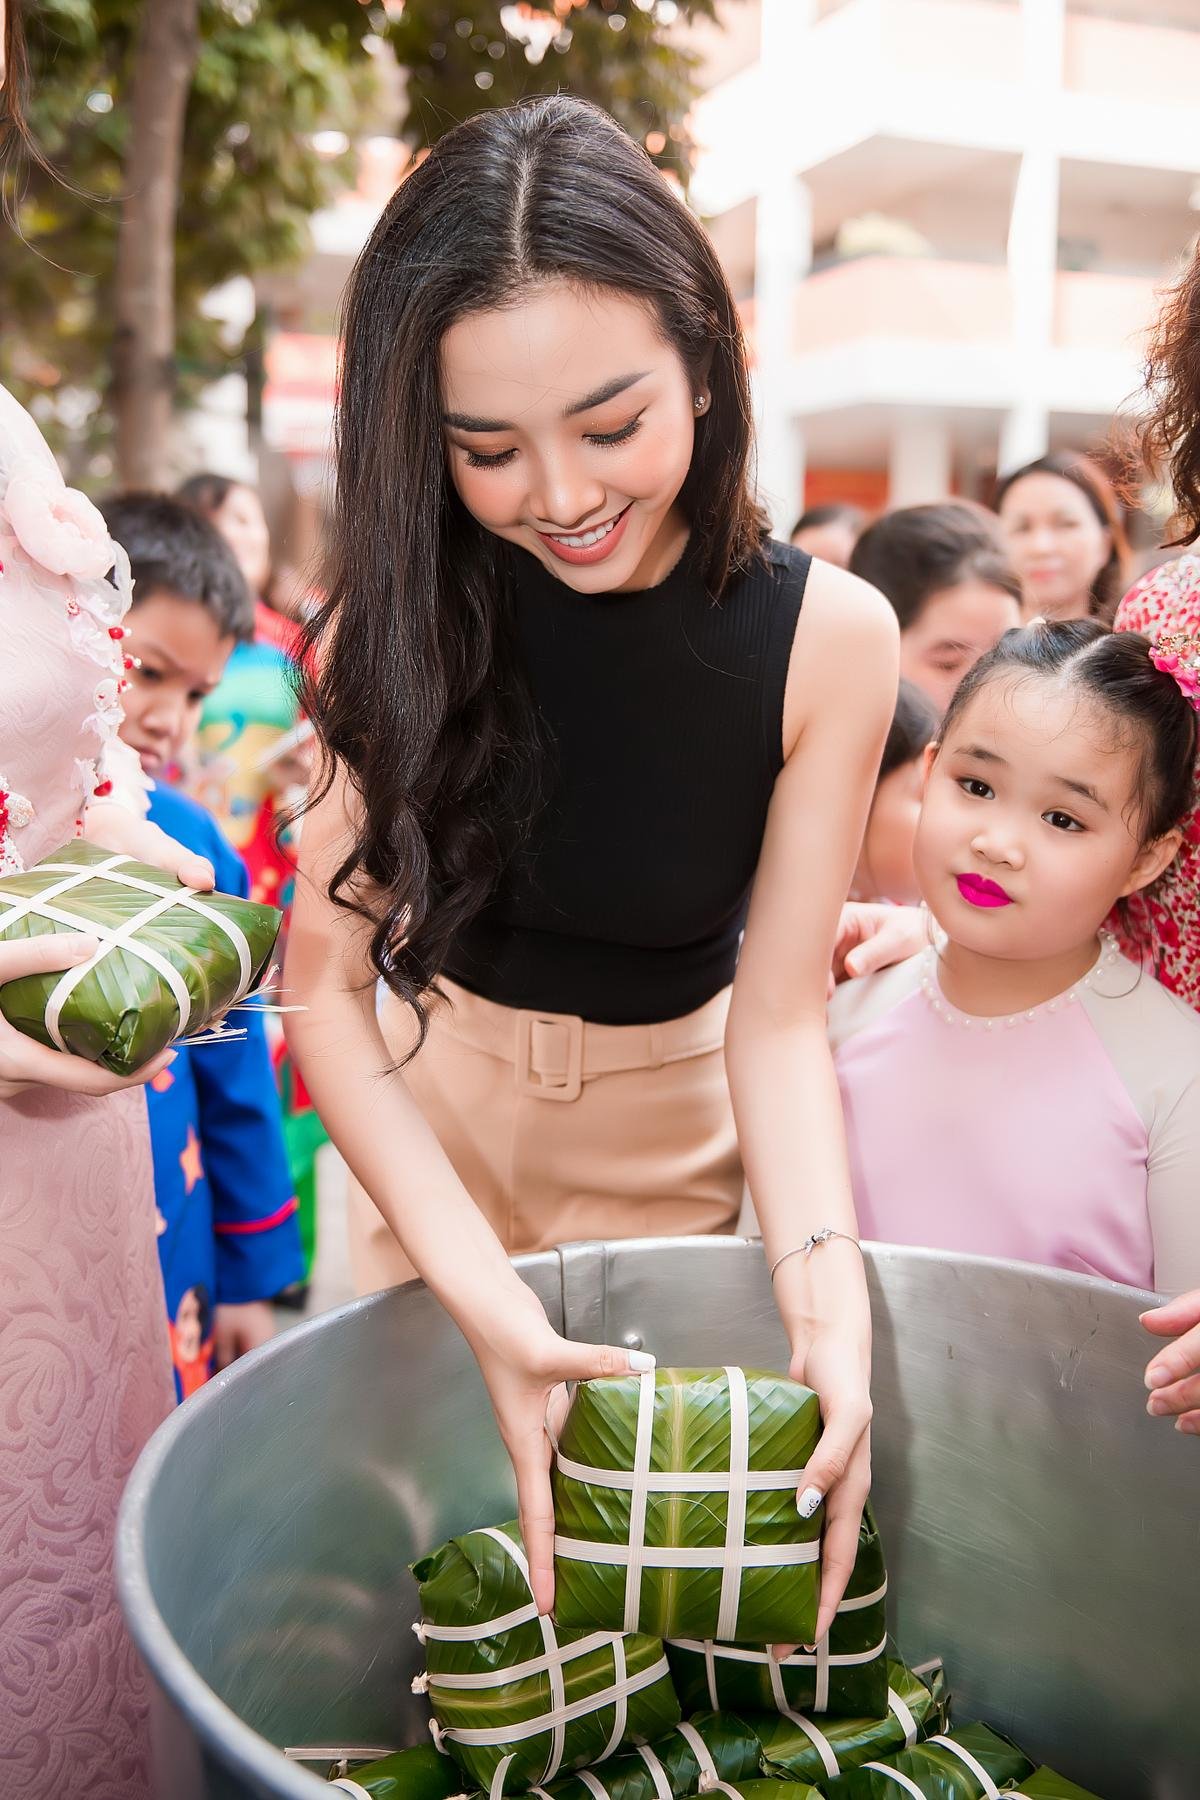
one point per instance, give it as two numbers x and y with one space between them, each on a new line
574 704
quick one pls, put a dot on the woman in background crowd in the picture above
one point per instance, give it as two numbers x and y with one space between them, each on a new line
885 862
944 571
829 532
236 510
1065 537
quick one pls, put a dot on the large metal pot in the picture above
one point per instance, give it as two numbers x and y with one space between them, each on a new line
1043 1532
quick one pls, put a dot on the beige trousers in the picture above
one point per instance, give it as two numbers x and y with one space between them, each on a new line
562 1130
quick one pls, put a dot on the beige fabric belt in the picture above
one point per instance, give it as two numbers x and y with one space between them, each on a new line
553 1054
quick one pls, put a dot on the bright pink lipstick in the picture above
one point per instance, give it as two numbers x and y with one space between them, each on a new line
587 553
977 890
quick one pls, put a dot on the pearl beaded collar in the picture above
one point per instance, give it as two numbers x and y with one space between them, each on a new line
951 1015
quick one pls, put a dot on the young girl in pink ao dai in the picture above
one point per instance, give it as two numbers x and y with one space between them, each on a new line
1021 1088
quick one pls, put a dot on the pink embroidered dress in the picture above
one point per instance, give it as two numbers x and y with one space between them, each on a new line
1166 920
84 1368
1067 1135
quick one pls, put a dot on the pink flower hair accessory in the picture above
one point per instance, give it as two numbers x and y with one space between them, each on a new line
1177 653
58 527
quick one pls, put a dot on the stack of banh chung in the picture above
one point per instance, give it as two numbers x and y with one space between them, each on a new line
680 1559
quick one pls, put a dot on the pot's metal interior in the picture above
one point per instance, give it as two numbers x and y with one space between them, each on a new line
1043 1533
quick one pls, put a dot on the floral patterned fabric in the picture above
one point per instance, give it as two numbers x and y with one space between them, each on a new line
84 1368
1162 927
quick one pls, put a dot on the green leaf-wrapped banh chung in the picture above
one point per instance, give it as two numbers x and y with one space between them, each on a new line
796 1747
709 1748
1046 1784
845 1676
169 960
675 1507
418 1774
970 1763
763 1789
516 1699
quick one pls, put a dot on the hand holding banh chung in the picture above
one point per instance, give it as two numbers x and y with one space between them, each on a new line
681 1557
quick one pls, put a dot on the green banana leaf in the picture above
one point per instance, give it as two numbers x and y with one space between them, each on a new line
418 1774
775 1602
795 1751
731 1747
765 1790
751 1680
1045 1784
480 1578
120 1012
936 1771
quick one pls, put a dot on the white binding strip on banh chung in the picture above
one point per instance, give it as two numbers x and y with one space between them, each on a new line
564 1715
535 1665
737 1482
709 1773
990 1790
902 1713
562 1712
817 1739
822 1659
901 1781
658 1775
123 936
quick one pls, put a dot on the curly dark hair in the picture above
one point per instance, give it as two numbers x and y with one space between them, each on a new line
1169 435
418 695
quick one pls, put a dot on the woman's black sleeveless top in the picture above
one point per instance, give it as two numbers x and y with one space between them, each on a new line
663 716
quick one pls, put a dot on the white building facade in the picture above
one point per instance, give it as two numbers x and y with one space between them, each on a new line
948 222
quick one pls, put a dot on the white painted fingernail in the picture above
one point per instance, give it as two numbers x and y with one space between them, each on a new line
808 1502
641 1361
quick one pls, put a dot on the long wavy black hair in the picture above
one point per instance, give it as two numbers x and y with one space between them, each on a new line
418 695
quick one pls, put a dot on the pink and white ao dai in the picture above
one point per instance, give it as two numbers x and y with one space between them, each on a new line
85 1373
1068 1135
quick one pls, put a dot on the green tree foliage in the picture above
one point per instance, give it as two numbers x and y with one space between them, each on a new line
462 55
270 73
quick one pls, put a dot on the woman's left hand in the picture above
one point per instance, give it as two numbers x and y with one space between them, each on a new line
111 826
835 1363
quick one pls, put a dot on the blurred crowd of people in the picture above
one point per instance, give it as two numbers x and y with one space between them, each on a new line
587 766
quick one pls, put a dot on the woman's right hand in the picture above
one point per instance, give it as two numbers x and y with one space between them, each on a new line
525 1364
25 1063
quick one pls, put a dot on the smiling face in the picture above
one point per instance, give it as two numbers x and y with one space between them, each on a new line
1056 544
953 629
182 654
1029 830
569 424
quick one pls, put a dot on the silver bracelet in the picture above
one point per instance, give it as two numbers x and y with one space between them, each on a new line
810 1244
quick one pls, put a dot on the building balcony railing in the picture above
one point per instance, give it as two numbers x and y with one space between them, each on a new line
952 72
943 301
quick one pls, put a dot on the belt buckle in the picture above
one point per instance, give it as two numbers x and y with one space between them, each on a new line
529 1081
